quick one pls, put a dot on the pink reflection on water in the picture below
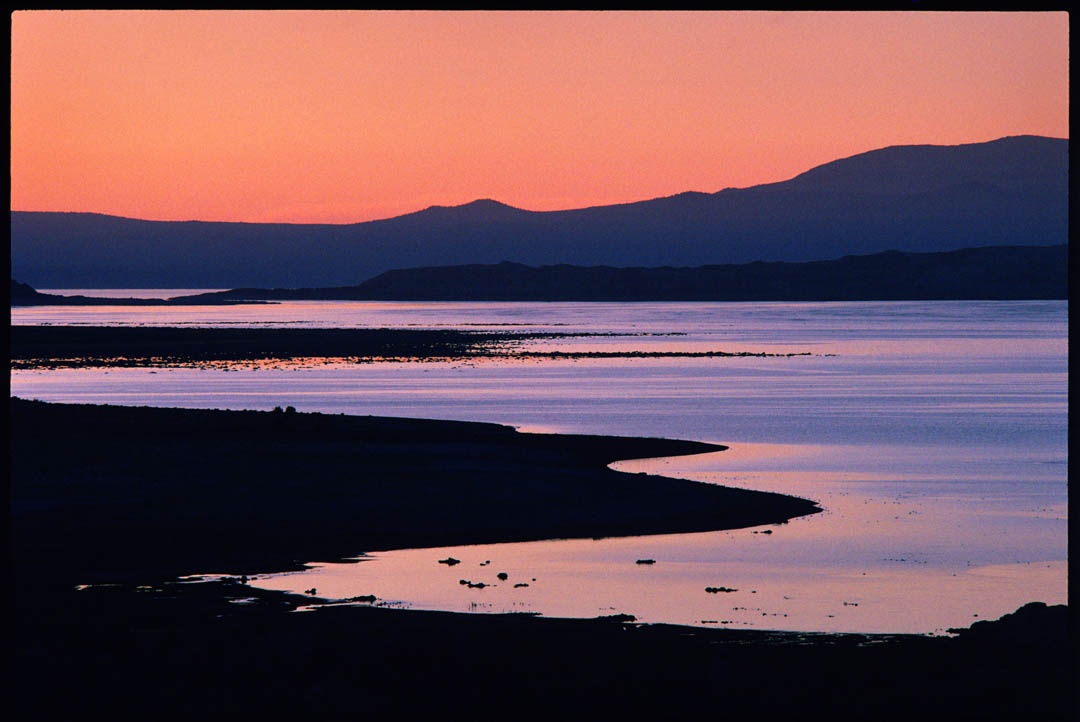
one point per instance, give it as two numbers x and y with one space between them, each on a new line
585 578
886 556
933 434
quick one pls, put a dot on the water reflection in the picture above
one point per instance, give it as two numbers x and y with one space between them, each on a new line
587 578
933 434
887 555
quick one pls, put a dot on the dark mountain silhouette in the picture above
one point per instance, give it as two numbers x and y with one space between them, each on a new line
1002 273
1012 191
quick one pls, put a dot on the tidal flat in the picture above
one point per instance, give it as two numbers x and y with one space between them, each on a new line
51 347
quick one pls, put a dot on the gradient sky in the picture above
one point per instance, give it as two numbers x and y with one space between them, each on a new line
349 116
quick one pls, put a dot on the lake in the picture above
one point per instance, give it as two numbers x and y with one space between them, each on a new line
934 435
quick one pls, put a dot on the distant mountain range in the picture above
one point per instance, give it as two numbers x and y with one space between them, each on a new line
991 273
1007 192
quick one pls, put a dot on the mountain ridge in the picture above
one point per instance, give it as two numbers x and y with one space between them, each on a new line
1011 191
491 202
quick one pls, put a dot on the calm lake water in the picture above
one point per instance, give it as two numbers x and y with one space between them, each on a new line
934 434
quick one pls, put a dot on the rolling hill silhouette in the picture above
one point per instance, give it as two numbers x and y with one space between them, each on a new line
986 273
1008 192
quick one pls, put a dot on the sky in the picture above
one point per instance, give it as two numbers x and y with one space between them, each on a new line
341 117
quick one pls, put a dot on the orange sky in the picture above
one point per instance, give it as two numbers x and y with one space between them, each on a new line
349 116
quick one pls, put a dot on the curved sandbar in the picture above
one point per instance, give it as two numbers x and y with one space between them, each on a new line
112 493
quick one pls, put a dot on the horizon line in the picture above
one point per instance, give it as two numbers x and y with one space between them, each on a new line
527 210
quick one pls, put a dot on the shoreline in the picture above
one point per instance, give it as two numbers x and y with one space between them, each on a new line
220 650
126 346
49 347
254 492
115 496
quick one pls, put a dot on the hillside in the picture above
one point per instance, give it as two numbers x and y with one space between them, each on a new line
1002 273
1008 192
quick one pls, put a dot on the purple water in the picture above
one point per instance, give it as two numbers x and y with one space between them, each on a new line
933 433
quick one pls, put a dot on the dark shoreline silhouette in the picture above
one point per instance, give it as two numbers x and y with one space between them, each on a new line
274 489
83 346
169 346
126 498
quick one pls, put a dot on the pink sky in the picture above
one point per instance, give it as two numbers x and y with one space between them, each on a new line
349 116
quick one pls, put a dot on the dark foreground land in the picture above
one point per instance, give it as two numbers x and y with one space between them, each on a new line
112 493
129 498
